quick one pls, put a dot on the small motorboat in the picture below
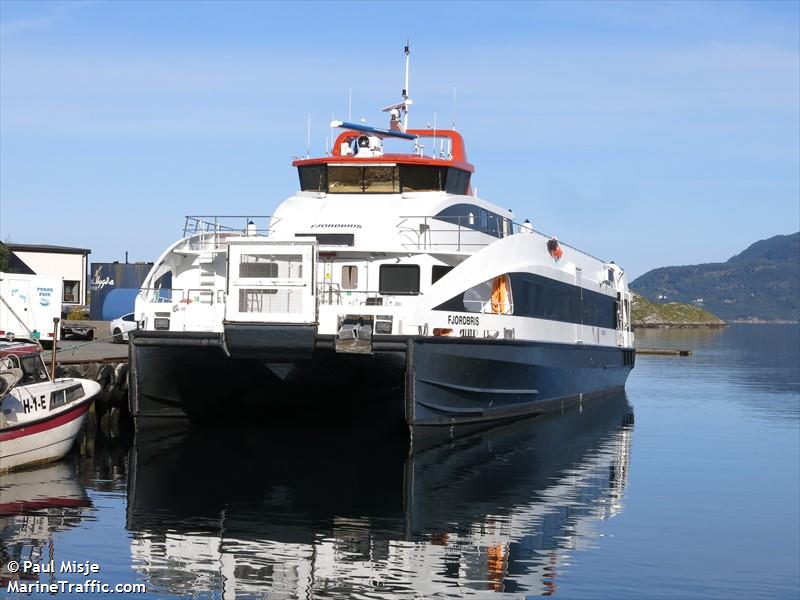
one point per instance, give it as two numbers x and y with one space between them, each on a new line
40 416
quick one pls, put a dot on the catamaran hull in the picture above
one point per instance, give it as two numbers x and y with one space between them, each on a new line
436 381
42 441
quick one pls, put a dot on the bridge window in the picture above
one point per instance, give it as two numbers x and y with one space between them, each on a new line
345 180
457 181
399 279
312 179
422 178
382 179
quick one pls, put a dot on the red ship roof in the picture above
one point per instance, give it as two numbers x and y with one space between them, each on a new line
457 149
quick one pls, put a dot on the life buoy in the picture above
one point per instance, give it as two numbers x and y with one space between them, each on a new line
554 248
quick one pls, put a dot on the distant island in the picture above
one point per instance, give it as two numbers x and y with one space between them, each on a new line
761 284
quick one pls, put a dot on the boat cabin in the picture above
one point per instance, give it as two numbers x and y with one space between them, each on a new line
26 356
359 165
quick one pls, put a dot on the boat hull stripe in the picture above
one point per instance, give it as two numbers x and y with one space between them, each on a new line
45 424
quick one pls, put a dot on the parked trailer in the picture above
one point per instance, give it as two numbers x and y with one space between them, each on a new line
28 305
80 330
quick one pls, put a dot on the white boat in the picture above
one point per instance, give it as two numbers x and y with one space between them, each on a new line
384 269
39 417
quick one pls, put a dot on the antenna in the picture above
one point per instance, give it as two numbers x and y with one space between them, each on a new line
454 108
433 153
407 51
398 112
308 137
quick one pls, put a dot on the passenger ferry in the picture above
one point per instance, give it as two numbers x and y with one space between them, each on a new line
385 268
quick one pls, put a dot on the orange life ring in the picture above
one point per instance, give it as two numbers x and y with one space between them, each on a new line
554 248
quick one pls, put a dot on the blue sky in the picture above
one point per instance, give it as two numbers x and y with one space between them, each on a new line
649 133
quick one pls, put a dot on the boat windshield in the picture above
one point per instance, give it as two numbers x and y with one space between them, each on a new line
33 369
382 179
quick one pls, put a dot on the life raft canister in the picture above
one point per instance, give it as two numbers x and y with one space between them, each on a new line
554 248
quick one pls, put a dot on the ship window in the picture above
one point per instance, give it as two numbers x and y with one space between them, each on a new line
422 178
439 271
457 181
473 217
344 180
65 396
544 298
252 265
478 298
381 180
331 239
312 179
494 224
57 399
399 279
599 310
349 277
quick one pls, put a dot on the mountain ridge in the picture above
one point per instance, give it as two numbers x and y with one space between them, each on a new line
761 283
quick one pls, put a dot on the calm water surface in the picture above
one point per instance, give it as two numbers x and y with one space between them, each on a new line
687 486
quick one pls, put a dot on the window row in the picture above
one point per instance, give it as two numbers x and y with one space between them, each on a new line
382 179
544 298
477 218
393 279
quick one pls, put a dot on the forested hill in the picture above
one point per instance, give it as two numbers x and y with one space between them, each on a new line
761 283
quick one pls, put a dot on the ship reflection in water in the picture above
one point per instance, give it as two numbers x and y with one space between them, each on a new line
34 506
251 513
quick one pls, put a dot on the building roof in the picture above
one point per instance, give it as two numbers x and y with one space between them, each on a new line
47 248
18 266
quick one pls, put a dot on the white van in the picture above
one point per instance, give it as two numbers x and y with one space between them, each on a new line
28 305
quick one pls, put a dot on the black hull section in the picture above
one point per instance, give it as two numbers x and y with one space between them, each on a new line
425 382
455 382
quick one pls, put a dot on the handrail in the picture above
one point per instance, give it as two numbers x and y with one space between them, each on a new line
457 220
195 224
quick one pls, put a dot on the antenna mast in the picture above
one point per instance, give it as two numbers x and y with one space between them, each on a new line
407 51
398 113
308 137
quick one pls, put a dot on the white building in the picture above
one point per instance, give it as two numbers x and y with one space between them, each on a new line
71 264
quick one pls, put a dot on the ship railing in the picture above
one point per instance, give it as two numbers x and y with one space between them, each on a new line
464 233
162 295
330 293
488 307
207 231
459 233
